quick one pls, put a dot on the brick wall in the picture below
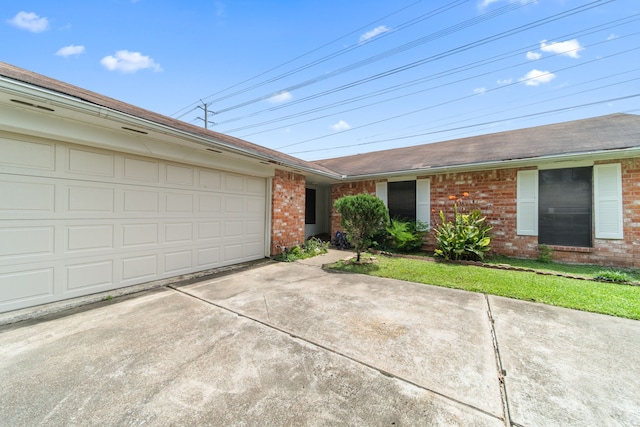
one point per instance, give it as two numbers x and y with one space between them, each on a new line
287 210
494 192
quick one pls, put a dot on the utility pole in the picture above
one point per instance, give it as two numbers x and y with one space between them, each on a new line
206 120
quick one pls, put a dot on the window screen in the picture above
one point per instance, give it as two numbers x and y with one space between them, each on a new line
401 200
564 207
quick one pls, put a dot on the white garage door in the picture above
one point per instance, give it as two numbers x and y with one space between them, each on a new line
76 220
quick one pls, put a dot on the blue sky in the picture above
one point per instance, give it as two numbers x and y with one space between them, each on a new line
334 78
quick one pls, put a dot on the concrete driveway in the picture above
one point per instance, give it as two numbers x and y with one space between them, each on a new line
292 344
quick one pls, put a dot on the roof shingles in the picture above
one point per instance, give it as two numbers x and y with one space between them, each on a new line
611 132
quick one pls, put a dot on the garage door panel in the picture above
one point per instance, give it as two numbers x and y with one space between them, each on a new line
179 175
255 207
209 230
233 252
18 287
209 179
179 203
139 267
78 220
90 199
89 275
139 234
84 162
89 237
256 186
178 232
208 257
233 228
137 169
233 183
175 262
26 241
254 249
210 204
254 228
19 196
26 154
138 201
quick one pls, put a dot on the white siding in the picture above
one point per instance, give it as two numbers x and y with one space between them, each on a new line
527 203
607 191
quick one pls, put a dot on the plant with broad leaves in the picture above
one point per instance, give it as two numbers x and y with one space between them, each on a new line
463 237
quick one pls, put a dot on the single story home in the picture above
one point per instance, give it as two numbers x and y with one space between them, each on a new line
97 194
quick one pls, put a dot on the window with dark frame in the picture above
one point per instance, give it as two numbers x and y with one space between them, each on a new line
310 206
565 206
401 200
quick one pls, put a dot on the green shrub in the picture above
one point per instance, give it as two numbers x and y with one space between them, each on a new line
466 237
362 216
406 236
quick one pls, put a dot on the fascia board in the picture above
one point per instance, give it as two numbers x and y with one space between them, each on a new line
57 99
504 164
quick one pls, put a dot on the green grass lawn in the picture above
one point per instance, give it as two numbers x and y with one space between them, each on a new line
598 297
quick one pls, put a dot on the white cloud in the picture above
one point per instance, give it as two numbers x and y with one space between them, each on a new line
505 81
612 36
375 32
537 77
486 3
479 90
532 56
570 48
340 126
129 62
283 96
30 21
70 50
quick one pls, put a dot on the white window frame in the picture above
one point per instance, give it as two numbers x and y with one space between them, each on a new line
607 202
423 198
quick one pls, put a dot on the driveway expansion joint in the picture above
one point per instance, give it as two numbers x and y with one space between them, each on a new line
500 369
337 352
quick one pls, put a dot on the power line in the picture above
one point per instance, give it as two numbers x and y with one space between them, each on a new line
447 73
448 102
453 100
413 44
589 104
297 58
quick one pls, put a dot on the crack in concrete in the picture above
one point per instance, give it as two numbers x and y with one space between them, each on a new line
337 352
500 370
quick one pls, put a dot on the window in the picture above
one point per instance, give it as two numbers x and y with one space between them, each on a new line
409 200
564 206
310 206
401 200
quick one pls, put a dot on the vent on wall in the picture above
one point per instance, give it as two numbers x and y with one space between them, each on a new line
29 104
135 130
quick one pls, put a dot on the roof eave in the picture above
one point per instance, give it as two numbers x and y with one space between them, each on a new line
503 164
89 108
